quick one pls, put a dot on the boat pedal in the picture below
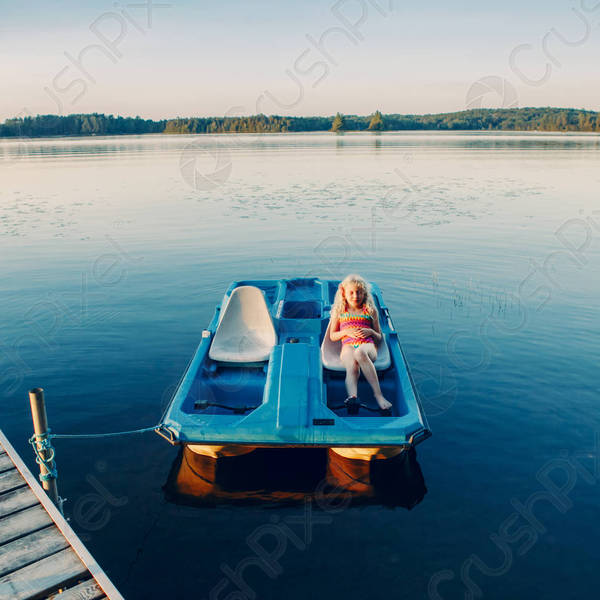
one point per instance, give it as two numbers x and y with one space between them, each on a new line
352 404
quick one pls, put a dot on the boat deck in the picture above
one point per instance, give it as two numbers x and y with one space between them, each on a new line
40 555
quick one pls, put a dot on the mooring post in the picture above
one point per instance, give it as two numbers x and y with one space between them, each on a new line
40 427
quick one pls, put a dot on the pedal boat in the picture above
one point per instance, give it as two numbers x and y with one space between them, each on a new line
266 374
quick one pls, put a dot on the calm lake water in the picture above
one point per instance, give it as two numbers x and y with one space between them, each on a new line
487 250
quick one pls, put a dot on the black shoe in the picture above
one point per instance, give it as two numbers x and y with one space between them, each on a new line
385 412
352 404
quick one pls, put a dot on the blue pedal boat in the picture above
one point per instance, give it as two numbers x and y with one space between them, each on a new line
266 374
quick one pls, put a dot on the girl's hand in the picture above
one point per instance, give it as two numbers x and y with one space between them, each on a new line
366 332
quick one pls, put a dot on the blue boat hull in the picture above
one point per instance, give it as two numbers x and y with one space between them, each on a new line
290 399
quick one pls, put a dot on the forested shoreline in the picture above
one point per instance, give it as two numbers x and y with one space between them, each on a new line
515 119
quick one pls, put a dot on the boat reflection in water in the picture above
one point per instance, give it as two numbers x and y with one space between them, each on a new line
291 475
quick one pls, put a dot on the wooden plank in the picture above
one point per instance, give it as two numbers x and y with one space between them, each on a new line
17 500
42 577
6 463
22 523
9 480
31 548
94 568
87 590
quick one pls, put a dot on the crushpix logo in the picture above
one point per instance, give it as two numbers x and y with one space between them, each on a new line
205 167
491 92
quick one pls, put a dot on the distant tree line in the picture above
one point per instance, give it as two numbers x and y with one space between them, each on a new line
93 124
509 119
253 124
516 119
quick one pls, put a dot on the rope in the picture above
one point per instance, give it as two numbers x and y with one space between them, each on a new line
44 452
41 443
44 439
82 436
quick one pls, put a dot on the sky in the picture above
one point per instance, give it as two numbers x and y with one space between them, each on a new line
182 58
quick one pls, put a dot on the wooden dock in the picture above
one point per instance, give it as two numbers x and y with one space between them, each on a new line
40 555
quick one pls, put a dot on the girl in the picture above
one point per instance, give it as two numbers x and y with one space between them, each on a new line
355 321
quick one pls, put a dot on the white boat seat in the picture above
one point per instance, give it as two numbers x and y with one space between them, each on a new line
245 332
330 354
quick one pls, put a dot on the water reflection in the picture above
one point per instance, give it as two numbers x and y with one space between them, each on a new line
270 476
111 146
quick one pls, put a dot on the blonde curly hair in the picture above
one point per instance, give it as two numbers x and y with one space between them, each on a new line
340 304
